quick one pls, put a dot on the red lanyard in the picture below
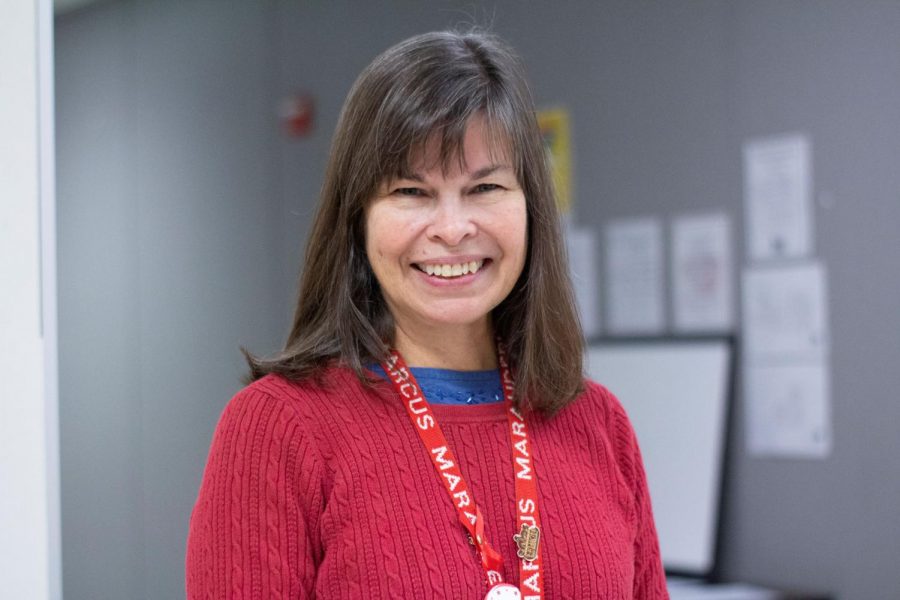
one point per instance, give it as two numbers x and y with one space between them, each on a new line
528 521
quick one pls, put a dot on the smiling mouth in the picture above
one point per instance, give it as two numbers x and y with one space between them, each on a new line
451 270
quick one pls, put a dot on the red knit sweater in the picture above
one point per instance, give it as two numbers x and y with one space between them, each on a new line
325 490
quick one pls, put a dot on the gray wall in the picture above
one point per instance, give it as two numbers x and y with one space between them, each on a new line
183 213
831 69
168 260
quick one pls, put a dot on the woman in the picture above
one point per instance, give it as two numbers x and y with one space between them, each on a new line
427 432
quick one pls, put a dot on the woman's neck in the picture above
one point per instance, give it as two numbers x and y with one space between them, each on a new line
456 347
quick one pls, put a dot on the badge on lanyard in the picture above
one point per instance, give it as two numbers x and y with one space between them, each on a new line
527 540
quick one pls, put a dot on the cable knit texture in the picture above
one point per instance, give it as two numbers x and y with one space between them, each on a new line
324 490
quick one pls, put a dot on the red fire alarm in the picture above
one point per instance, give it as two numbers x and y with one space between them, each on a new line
296 113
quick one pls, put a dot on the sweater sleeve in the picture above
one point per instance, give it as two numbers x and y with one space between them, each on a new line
253 529
649 576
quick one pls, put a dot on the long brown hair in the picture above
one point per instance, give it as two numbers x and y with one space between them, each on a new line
432 85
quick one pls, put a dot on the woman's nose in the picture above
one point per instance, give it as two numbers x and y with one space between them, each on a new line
452 221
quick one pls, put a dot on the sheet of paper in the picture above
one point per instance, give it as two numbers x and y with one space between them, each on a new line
634 276
788 410
785 314
777 190
702 273
582 248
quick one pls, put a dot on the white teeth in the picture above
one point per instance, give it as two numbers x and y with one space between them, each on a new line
452 270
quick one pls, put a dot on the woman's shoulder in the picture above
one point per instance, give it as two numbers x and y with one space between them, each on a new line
334 391
595 401
311 412
601 411
329 382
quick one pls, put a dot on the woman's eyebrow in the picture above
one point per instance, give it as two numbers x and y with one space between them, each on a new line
485 171
480 173
412 177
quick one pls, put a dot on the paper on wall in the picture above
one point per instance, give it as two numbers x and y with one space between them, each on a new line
786 361
582 249
634 276
777 190
702 273
788 410
785 313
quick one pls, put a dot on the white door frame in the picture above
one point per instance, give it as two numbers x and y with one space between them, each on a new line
30 555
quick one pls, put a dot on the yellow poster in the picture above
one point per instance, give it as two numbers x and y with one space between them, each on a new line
554 124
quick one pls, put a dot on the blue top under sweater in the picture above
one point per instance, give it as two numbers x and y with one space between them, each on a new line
444 386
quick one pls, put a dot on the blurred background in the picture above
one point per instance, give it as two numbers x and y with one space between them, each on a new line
191 138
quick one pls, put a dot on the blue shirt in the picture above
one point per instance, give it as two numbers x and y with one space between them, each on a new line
445 386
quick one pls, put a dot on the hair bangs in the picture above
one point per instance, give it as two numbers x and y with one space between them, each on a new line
426 144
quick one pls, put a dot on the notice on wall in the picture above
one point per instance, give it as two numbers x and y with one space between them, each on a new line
777 197
786 350
785 313
702 273
582 248
788 410
634 276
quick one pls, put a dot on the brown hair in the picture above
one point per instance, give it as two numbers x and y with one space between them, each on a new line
432 85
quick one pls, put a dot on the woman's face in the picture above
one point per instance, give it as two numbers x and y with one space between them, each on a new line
447 248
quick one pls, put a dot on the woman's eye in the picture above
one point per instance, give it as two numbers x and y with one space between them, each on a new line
408 191
482 188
